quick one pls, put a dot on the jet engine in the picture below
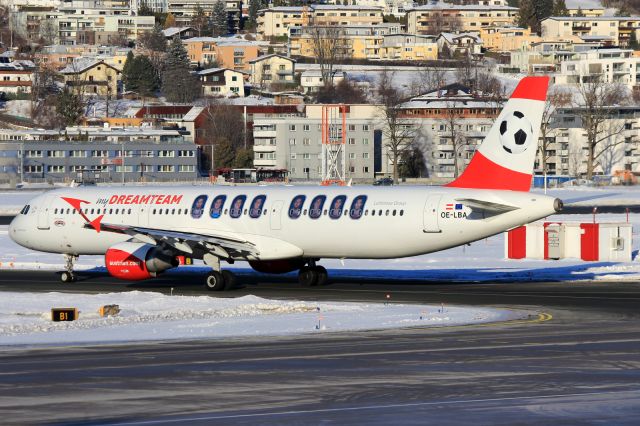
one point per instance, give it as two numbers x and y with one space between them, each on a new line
137 261
277 266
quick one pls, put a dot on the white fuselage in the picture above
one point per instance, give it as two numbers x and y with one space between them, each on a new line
394 222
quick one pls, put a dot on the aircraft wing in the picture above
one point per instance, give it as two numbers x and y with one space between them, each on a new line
222 246
482 206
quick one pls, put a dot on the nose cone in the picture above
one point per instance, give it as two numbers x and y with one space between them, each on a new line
14 230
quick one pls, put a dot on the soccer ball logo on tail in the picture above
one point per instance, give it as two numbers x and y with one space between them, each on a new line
516 133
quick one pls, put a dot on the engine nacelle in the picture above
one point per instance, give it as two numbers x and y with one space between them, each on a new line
277 266
137 261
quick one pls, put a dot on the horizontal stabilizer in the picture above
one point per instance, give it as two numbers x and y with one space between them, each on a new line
482 206
572 201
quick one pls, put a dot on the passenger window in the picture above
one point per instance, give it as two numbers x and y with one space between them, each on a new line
393 213
295 208
236 207
197 208
315 210
336 207
55 211
256 206
217 205
357 206
401 212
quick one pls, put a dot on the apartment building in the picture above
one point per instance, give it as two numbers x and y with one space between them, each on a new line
436 17
507 39
612 65
277 21
90 76
16 77
272 69
222 82
227 52
567 150
294 143
408 47
184 10
429 115
354 41
546 56
588 8
109 155
617 27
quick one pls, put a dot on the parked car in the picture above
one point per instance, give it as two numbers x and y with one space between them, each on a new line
387 181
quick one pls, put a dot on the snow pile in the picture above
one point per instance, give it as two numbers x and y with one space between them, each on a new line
13 201
25 317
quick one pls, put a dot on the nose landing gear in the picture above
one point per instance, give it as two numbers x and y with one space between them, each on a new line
68 275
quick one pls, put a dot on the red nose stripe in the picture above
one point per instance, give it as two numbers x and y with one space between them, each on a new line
534 88
483 173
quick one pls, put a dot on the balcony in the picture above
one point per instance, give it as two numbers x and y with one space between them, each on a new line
264 133
445 161
264 148
264 163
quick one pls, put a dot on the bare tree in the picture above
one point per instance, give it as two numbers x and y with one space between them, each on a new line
594 105
224 132
555 100
48 31
427 79
455 134
444 22
398 132
329 47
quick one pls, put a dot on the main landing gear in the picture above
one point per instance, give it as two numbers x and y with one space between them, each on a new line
68 276
312 275
220 280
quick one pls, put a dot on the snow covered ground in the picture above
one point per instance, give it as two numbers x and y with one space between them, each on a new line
25 317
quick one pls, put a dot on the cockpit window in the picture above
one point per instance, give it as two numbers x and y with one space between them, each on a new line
357 207
25 209
198 206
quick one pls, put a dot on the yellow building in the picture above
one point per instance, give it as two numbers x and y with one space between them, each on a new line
617 28
507 39
409 47
272 69
276 21
441 17
227 52
92 77
353 42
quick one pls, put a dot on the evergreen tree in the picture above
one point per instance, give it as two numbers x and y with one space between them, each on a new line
532 12
144 10
178 84
244 158
219 19
199 21
69 107
560 8
254 8
126 71
225 153
170 21
154 40
580 13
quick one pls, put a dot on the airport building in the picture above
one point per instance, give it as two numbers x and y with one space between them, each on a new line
111 155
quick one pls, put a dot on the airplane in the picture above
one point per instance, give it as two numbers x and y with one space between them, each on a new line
144 231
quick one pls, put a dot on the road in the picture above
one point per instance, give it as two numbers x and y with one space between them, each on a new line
575 361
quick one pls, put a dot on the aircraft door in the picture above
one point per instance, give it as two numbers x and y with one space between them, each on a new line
276 215
43 213
430 214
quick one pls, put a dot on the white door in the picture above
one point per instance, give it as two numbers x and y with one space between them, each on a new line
43 213
276 215
430 214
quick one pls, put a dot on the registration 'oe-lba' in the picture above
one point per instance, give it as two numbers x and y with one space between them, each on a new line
143 231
